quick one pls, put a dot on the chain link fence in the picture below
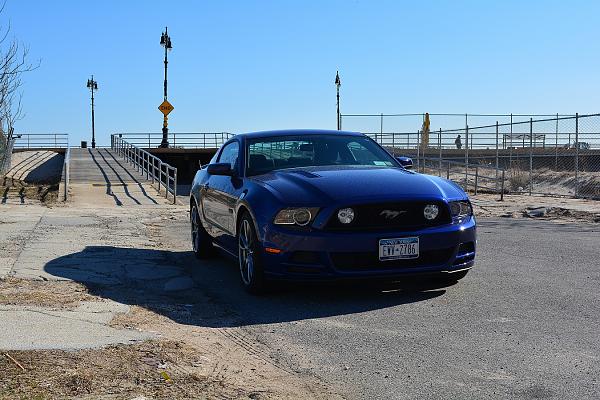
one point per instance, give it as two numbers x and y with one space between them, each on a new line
550 155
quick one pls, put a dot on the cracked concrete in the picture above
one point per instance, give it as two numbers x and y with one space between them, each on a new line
28 328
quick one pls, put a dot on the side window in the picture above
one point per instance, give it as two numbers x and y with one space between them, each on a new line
230 154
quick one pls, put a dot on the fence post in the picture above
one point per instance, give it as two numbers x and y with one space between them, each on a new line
556 146
576 155
440 144
418 151
466 156
497 155
175 187
502 187
167 182
476 178
159 174
511 142
530 155
448 171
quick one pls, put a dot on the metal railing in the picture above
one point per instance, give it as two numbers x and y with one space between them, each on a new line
557 156
198 140
148 165
66 175
41 140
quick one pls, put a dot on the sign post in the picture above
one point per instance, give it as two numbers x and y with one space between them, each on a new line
165 107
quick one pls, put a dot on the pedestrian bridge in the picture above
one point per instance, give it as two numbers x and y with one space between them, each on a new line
102 177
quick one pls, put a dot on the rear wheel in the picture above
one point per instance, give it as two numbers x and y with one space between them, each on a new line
251 271
201 240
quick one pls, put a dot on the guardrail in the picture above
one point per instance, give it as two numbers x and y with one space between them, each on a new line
41 140
199 140
149 165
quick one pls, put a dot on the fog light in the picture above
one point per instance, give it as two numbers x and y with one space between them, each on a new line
346 215
431 211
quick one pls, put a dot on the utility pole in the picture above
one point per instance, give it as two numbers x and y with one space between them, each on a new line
338 83
93 86
165 41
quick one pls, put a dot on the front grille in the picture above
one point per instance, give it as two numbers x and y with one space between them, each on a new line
361 261
405 216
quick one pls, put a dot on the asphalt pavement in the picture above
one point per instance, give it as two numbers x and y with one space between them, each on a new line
523 324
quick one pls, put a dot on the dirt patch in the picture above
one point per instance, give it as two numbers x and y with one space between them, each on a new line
43 293
554 208
155 369
47 194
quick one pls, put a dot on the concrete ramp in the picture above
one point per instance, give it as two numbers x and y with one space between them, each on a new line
99 177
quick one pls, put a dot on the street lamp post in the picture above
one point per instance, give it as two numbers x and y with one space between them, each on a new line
338 83
93 86
165 41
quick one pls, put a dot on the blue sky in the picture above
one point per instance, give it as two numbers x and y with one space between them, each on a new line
256 65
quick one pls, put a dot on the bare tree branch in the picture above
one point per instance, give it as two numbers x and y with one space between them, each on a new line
13 64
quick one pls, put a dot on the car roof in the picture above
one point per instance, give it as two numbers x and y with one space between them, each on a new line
297 132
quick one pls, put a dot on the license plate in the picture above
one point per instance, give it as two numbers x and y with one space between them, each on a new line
399 248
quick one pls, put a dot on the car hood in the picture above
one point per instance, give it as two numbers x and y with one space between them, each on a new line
315 185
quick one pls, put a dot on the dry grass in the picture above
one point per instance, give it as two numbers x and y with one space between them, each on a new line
155 369
42 293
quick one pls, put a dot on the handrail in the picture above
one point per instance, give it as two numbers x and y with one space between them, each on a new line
41 140
202 140
66 174
148 165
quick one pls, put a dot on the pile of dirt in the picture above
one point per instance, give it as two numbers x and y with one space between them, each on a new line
153 369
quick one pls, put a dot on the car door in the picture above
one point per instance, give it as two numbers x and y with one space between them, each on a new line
221 195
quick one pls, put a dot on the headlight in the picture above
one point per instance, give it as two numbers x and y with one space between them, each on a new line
431 211
295 216
346 215
460 209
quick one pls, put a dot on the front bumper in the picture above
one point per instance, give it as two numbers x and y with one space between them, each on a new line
320 255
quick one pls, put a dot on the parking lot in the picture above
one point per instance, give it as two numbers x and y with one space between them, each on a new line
522 324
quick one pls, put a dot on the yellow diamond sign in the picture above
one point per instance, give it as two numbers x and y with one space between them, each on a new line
166 107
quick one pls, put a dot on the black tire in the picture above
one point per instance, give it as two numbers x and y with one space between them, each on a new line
249 259
201 240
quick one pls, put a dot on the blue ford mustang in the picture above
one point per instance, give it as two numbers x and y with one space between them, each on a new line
327 205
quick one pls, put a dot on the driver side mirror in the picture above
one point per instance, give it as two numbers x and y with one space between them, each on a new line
220 169
406 162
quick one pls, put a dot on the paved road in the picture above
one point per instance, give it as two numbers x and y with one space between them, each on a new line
523 324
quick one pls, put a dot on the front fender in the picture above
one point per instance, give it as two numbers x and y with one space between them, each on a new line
260 204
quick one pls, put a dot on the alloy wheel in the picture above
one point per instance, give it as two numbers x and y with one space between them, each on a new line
246 252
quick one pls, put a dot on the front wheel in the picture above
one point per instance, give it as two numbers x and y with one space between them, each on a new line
251 271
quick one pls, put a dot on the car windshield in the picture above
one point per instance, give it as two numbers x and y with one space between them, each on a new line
280 152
